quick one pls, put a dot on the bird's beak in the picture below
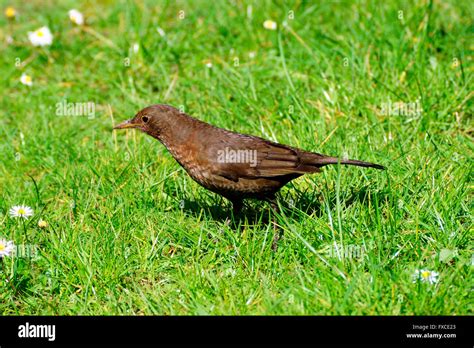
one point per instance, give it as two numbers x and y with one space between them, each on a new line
127 124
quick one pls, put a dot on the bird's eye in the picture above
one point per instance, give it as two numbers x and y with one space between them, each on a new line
145 119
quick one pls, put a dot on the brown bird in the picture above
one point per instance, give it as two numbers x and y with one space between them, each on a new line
234 165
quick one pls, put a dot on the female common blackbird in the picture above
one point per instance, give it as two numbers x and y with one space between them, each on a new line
234 165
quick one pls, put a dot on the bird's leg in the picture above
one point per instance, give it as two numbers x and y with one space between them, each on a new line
237 205
278 232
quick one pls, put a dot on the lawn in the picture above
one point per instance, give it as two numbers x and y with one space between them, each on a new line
126 231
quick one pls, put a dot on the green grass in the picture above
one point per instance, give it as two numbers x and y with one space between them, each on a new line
130 233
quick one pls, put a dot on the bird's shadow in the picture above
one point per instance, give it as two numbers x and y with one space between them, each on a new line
292 205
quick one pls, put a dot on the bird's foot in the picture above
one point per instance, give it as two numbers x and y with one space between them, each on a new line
277 234
277 230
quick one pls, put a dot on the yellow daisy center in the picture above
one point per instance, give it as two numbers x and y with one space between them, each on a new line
22 211
425 274
2 246
27 79
10 12
40 33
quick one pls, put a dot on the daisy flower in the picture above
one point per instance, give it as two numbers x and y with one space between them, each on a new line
26 79
21 211
76 17
41 37
135 48
252 55
425 275
10 12
6 247
208 64
42 224
269 25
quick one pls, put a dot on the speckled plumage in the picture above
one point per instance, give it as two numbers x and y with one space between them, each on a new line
262 169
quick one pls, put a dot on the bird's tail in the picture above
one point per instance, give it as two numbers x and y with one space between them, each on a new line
334 160
318 160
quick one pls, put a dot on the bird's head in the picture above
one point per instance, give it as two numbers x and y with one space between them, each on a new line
151 120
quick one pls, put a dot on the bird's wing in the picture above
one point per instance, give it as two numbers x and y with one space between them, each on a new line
243 156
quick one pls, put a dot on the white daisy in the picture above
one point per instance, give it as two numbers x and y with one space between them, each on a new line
6 247
209 64
269 25
42 224
135 48
252 55
41 37
21 211
425 275
26 79
76 17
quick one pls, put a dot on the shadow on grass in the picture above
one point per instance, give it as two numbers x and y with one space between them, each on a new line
257 212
